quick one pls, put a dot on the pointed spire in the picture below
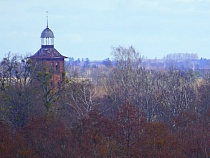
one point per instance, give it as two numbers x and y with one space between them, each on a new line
47 18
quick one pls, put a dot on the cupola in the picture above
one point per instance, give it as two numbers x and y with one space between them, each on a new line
47 38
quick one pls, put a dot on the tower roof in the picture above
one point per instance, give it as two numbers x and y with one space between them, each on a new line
47 53
47 33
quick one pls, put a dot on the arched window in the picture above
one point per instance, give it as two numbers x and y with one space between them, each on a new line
57 66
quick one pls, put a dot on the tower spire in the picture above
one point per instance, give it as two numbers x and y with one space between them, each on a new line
47 18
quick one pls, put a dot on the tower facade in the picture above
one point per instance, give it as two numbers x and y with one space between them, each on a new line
49 57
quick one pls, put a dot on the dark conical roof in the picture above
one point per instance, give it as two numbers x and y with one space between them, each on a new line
47 33
47 53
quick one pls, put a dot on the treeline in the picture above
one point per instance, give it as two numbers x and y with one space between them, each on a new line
183 61
108 111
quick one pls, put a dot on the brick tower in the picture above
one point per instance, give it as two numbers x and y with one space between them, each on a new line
49 57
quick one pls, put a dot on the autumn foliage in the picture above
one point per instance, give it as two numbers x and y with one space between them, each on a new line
128 134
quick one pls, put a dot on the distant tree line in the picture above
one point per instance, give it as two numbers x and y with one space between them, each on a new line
181 56
182 61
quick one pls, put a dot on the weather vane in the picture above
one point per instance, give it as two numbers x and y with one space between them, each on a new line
47 18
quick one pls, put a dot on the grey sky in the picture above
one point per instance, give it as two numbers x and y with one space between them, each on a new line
90 28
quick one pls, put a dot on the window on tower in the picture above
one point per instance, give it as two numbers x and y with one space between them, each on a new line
57 66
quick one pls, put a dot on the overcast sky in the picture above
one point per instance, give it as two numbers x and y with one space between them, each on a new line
90 28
